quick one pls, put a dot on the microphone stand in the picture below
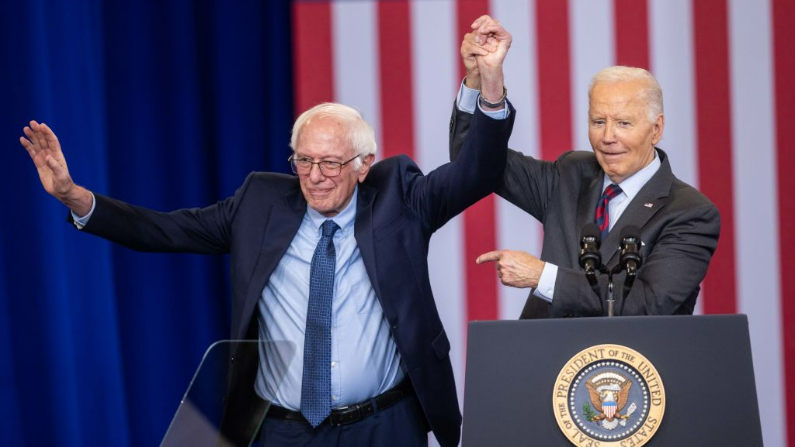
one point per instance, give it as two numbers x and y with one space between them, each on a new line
592 262
628 282
591 276
611 299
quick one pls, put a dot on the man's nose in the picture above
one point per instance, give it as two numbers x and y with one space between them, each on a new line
610 132
315 174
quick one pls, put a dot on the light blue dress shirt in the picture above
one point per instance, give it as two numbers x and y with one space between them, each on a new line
81 222
364 358
468 99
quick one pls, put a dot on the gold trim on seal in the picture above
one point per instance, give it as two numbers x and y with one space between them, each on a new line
601 354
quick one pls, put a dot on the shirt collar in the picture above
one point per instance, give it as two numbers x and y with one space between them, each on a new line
345 219
633 184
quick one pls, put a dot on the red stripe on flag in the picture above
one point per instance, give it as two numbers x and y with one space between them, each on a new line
313 76
632 33
394 48
713 105
554 77
784 66
480 234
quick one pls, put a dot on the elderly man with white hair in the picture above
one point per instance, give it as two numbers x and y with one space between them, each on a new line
626 180
334 260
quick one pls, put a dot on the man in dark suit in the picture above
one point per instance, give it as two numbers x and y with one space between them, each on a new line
633 182
335 261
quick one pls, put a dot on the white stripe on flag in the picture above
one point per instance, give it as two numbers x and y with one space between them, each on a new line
756 195
671 60
517 230
592 49
356 78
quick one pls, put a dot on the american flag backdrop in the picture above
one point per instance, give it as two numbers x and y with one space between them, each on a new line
727 68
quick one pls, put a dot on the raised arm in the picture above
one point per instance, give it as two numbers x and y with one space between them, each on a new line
497 40
482 50
205 230
484 47
451 188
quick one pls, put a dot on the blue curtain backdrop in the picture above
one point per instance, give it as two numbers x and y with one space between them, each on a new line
165 104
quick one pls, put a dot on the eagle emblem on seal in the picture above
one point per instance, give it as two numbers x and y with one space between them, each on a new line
609 395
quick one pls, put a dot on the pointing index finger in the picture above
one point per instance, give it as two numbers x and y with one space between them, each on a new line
489 257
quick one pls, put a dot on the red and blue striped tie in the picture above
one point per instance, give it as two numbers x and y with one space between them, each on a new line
602 213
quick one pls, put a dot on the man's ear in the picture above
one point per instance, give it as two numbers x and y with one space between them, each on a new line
364 169
657 130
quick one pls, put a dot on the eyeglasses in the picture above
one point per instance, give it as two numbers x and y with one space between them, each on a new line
303 166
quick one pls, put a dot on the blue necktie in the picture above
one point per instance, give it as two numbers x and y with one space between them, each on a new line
316 384
602 210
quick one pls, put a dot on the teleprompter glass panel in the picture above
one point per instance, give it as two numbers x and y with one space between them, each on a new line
220 407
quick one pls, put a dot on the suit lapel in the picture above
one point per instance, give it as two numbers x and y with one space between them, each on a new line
363 232
282 225
588 197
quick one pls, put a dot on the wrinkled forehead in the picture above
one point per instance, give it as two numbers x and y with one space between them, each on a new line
636 88
326 134
615 96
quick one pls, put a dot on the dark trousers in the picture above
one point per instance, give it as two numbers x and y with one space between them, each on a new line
401 425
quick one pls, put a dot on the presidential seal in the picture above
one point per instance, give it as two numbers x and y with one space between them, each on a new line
608 396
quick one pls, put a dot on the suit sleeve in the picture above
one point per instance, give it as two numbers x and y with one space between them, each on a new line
668 281
527 182
195 230
448 190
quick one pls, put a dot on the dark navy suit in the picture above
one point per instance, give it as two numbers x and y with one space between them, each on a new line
399 209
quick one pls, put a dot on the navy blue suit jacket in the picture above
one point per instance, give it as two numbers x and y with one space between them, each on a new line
399 209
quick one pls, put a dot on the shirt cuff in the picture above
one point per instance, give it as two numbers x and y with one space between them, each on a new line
468 100
546 284
81 222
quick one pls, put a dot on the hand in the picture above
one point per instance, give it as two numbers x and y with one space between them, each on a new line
515 268
469 51
490 34
45 151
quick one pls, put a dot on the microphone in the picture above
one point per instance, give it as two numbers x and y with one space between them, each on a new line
630 249
590 258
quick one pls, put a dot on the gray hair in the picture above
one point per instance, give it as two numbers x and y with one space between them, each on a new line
651 95
359 134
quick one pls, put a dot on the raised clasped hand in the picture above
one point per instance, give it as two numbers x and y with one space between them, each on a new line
483 51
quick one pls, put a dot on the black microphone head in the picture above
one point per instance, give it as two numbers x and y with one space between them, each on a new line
630 249
591 230
630 231
590 258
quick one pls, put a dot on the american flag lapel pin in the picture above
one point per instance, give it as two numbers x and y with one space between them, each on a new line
648 205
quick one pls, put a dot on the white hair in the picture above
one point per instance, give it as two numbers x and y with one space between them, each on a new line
359 134
651 95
